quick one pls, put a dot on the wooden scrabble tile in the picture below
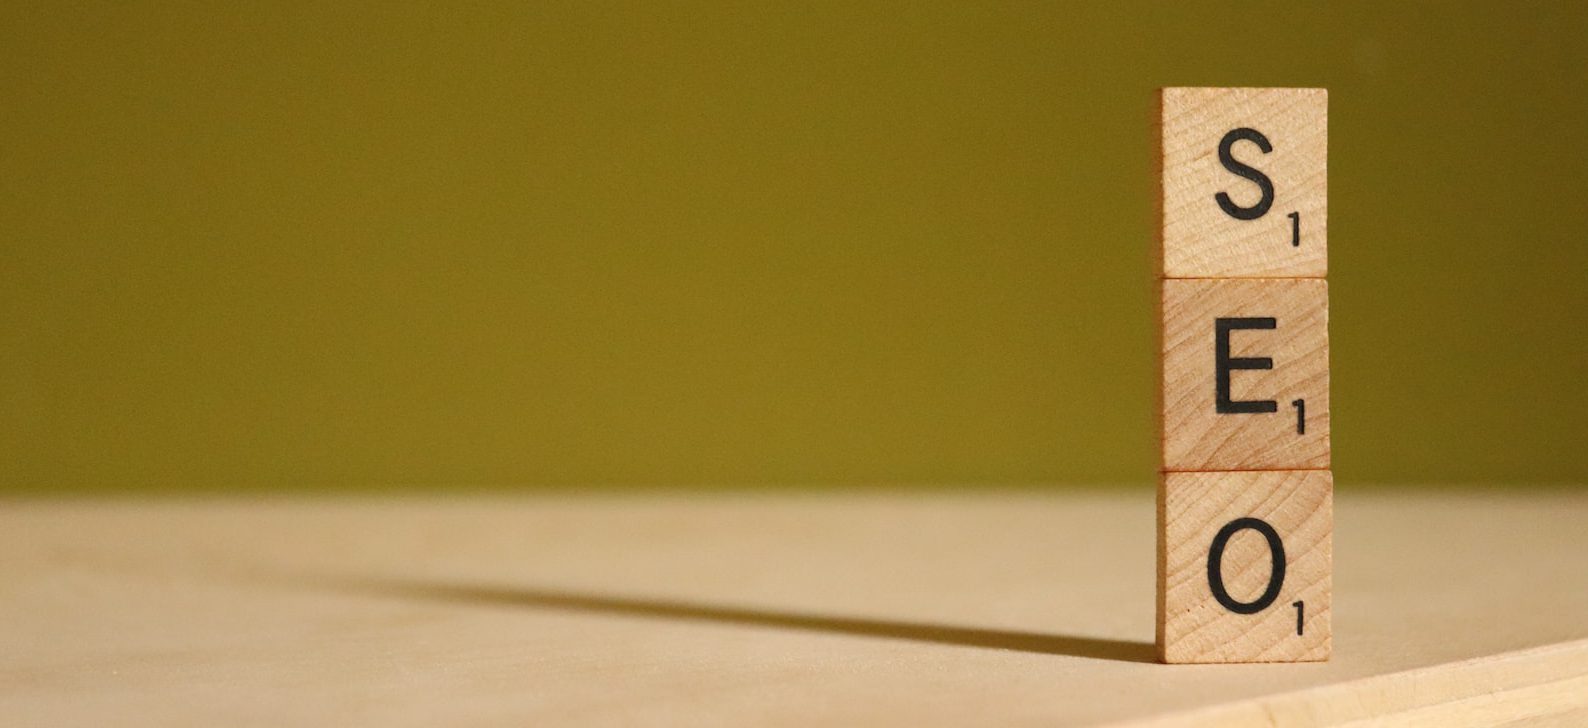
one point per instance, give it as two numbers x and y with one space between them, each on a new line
1244 566
1245 182
1245 374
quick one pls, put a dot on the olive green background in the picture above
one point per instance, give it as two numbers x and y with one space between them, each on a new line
367 245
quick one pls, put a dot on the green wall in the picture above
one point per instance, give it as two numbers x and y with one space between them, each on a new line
262 245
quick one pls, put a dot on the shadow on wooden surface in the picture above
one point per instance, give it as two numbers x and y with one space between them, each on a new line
532 598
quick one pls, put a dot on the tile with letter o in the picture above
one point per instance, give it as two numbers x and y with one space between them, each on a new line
1244 566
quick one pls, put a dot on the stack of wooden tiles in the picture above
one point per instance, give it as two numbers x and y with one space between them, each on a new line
1245 499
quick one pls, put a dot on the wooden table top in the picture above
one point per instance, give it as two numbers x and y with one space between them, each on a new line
896 607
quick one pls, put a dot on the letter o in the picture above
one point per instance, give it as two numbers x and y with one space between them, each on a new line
1276 575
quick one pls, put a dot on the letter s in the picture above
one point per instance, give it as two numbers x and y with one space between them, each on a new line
1241 170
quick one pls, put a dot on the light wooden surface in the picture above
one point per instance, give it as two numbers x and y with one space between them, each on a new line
1200 238
825 608
1196 435
1286 587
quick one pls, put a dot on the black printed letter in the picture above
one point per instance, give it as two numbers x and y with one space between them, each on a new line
1276 574
1223 363
1263 183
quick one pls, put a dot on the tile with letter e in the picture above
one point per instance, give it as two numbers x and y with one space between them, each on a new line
1245 374
1244 565
1245 182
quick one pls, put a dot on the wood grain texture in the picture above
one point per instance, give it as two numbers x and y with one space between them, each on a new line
1199 238
822 608
1193 510
1195 435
